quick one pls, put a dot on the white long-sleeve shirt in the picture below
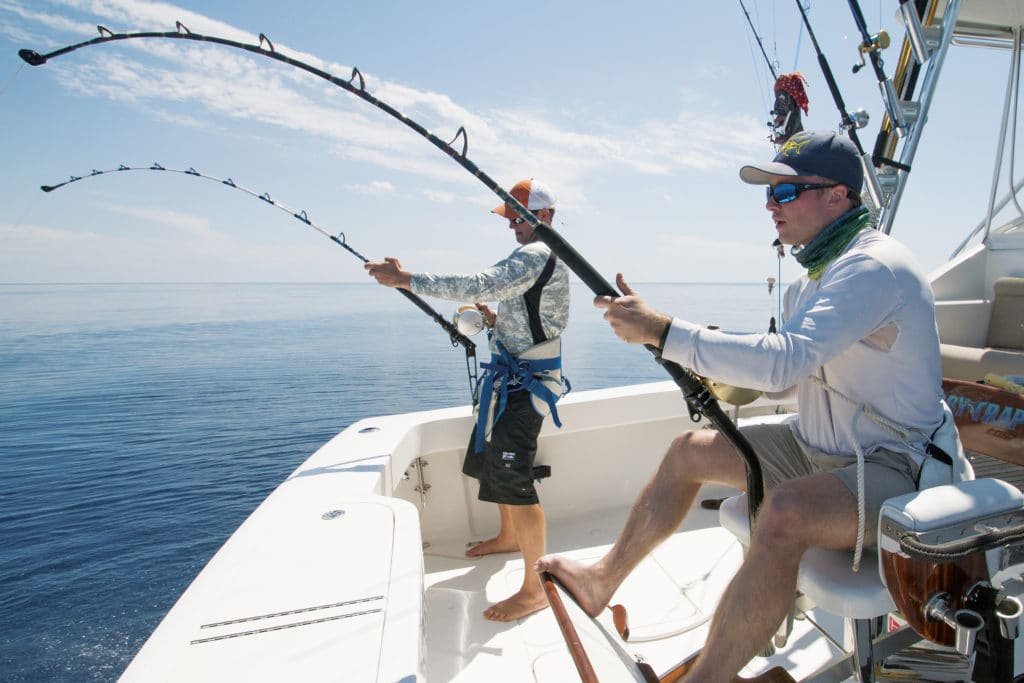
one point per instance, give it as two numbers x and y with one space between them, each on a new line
867 327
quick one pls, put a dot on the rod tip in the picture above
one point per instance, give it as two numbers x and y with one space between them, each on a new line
32 57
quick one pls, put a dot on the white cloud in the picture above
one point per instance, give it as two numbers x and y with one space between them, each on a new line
51 21
375 187
159 75
190 224
441 197
42 234
180 119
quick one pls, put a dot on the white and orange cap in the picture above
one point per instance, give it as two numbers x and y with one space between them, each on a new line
532 194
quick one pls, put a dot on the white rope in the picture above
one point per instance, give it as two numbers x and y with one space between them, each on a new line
899 431
858 550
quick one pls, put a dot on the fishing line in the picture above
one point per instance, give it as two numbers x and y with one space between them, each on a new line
698 397
799 41
7 83
768 95
775 283
788 90
757 37
781 253
457 338
775 35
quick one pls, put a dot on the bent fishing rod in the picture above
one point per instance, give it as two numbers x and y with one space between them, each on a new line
698 397
457 338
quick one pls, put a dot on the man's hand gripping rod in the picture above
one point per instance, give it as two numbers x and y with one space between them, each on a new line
698 398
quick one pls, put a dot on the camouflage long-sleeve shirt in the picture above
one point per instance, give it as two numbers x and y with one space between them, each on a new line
509 282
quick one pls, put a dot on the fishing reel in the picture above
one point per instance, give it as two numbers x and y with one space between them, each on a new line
880 41
727 393
736 396
469 320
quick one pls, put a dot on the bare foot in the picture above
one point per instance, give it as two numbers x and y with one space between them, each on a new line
492 546
584 582
519 605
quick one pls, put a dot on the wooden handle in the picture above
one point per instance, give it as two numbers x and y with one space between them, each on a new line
572 639
621 620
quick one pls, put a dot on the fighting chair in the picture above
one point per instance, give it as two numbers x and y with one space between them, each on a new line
948 558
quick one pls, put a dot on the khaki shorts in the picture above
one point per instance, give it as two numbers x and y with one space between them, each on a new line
783 457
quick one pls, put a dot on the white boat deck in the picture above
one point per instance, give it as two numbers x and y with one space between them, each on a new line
383 512
669 598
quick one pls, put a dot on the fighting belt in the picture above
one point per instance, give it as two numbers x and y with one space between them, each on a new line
537 370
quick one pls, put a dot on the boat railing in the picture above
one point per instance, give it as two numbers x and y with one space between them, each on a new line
982 228
905 117
926 45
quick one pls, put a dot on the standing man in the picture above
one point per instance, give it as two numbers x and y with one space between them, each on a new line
522 382
861 322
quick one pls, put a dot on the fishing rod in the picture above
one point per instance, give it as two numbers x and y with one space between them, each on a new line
753 30
871 182
698 397
457 337
847 121
871 46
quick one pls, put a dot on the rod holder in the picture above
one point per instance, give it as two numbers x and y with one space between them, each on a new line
965 622
1008 612
968 623
894 107
922 41
871 183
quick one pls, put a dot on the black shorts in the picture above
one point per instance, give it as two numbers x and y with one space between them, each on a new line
505 466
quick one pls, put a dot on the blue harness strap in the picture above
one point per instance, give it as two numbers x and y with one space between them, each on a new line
505 373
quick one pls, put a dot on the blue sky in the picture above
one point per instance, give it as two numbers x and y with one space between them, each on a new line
637 116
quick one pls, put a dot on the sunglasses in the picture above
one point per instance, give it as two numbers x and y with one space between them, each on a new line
784 193
519 220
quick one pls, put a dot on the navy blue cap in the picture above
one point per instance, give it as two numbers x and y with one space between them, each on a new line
811 153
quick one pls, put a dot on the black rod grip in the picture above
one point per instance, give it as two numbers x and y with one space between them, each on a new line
697 395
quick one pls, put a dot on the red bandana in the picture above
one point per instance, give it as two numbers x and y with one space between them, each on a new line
794 85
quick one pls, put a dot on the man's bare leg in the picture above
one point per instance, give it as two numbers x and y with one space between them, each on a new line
504 542
813 511
693 458
531 536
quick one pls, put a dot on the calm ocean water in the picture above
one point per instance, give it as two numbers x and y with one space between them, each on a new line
141 424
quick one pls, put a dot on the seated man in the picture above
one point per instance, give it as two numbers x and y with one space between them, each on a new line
858 338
